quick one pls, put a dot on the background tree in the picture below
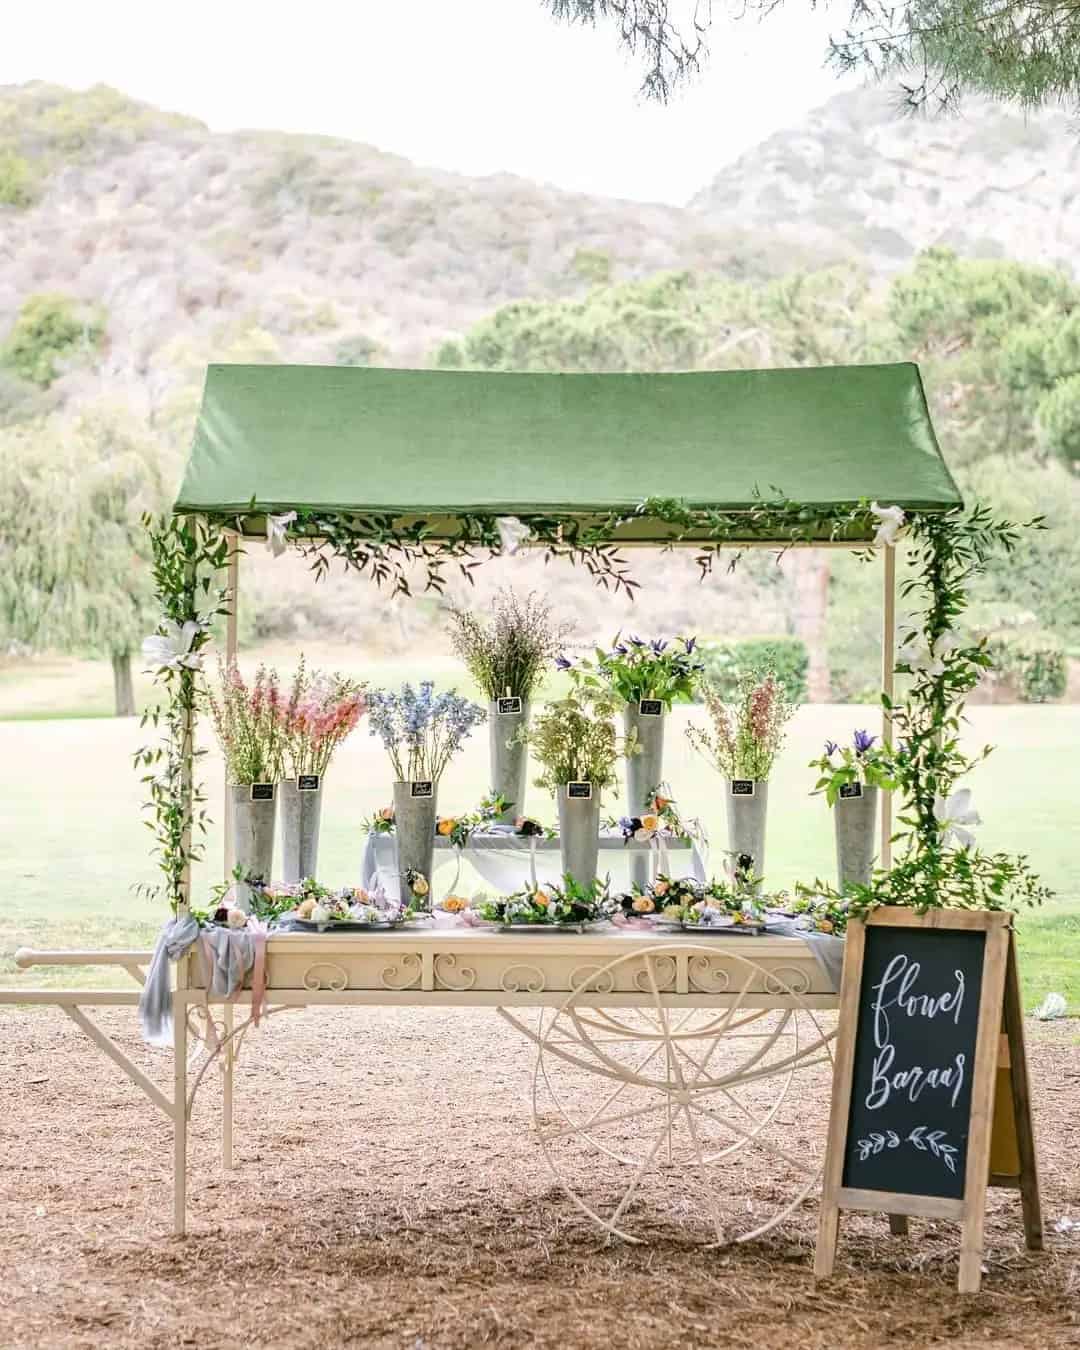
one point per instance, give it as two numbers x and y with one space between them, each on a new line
939 48
75 575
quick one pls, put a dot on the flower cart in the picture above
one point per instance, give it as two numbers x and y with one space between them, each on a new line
655 1049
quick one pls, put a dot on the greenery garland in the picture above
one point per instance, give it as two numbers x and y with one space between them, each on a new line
949 549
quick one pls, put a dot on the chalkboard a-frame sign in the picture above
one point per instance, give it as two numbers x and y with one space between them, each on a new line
930 1029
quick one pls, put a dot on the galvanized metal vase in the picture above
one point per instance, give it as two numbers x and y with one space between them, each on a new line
254 818
301 809
644 770
507 720
579 831
855 820
415 810
747 802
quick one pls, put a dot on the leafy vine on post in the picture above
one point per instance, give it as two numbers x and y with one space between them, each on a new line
188 555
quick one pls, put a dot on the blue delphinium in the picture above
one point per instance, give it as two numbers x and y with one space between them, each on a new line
421 730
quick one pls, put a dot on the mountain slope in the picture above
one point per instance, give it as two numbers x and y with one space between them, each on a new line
861 178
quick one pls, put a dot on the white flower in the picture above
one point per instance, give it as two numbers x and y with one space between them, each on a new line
954 815
171 649
1052 1006
890 524
320 914
277 528
236 918
512 533
918 657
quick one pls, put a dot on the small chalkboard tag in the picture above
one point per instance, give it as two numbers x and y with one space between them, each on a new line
307 782
262 792
742 787
508 707
422 788
579 791
651 707
848 791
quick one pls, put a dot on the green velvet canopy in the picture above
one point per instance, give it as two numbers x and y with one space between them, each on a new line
433 444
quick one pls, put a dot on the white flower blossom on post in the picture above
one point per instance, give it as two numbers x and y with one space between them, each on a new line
512 533
277 529
890 525
954 814
170 649
921 659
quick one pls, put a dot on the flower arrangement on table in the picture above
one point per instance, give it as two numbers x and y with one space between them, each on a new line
818 911
685 900
459 829
570 904
660 820
635 669
746 736
246 720
574 740
320 711
506 654
420 730
864 761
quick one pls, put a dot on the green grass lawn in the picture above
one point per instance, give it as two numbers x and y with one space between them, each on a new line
76 845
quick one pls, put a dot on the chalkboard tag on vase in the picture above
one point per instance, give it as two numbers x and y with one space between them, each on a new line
508 706
651 707
848 791
422 788
742 787
262 792
307 782
913 1128
579 791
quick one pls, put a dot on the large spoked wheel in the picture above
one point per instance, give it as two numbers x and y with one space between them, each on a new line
709 1119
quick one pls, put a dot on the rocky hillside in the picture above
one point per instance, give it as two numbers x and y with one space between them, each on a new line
864 180
330 250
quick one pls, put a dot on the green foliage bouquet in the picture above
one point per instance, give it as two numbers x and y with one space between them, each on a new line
574 740
635 669
507 653
746 735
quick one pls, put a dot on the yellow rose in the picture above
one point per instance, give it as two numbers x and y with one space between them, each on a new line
643 905
541 900
824 925
446 826
649 822
454 904
420 886
304 909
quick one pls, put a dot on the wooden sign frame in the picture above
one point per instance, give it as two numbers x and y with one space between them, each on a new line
999 1054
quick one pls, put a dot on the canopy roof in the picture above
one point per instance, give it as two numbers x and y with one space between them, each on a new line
424 443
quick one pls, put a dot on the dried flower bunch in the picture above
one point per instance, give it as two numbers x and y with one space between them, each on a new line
420 730
320 712
746 735
247 724
506 653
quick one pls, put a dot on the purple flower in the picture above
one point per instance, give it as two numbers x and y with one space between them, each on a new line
689 644
863 742
831 748
620 650
658 645
635 641
561 663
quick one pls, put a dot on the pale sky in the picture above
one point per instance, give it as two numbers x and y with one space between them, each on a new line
477 86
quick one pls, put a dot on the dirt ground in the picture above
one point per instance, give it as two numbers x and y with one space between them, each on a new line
389 1193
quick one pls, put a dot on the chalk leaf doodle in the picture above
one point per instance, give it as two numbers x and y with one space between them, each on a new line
922 1138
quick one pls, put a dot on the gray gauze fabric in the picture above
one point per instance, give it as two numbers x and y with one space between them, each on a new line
155 1003
828 950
